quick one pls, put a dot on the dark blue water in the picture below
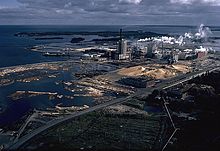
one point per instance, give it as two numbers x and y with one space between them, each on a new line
16 109
14 51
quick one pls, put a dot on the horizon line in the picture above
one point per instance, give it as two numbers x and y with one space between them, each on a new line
104 25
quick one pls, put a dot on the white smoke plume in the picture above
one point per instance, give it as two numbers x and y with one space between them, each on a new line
202 35
203 32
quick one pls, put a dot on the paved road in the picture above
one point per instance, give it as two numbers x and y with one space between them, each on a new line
164 85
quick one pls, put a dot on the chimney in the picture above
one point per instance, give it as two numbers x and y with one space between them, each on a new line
120 34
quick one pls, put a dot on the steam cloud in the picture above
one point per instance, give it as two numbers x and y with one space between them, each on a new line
203 32
202 35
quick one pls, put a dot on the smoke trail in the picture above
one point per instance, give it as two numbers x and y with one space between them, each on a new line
203 32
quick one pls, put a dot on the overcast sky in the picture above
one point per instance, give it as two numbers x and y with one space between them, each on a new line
108 12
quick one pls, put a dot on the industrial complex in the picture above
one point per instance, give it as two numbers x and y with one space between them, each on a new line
111 92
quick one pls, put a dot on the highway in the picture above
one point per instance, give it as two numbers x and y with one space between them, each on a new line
30 118
146 91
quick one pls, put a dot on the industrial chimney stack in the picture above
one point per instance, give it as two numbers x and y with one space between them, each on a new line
121 34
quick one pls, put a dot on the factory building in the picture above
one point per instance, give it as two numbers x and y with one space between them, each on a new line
201 52
122 50
150 49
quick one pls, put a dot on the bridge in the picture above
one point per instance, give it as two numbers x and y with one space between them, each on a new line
19 141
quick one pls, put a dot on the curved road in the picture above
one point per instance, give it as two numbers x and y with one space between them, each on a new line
146 91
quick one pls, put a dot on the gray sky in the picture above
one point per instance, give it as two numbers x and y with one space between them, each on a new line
110 12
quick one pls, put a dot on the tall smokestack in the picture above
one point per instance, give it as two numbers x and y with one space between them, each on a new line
120 34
